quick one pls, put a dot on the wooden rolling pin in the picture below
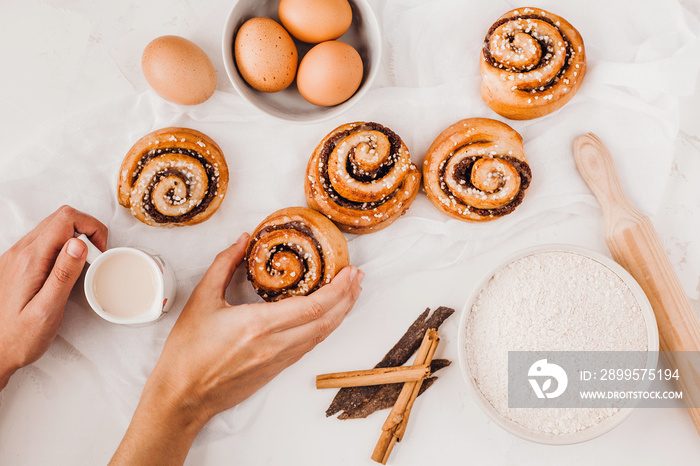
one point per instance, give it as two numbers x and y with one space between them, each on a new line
635 245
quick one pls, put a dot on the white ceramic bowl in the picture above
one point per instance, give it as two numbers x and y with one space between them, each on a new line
540 437
364 35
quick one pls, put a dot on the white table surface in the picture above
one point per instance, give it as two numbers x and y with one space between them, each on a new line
60 411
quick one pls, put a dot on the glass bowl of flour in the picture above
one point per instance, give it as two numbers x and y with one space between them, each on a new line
552 298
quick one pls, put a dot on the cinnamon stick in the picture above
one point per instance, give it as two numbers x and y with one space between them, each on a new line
375 376
353 399
392 430
386 396
401 429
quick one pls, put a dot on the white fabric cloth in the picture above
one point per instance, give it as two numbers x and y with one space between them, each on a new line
642 57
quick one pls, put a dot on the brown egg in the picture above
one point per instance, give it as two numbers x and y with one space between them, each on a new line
178 70
315 20
330 73
265 55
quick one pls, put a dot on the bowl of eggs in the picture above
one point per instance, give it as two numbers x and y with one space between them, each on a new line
302 60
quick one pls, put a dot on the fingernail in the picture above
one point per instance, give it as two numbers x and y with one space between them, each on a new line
360 278
243 237
353 273
75 248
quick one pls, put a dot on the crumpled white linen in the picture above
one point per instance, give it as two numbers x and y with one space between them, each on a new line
642 57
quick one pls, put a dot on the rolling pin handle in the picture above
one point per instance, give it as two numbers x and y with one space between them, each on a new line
596 166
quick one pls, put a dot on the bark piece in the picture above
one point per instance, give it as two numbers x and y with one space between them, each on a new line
349 399
386 395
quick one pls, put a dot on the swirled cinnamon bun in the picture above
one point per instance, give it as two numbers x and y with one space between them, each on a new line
173 177
361 177
294 252
476 170
532 63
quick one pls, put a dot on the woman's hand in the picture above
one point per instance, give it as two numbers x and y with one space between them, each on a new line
218 355
36 277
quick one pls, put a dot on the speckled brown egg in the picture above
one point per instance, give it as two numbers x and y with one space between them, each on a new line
178 70
315 21
330 73
265 55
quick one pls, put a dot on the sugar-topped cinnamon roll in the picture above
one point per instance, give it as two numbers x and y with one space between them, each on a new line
173 177
361 177
476 170
294 252
532 63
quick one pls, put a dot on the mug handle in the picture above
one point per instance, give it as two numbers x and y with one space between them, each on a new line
93 252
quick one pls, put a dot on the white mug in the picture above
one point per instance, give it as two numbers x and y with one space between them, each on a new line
160 292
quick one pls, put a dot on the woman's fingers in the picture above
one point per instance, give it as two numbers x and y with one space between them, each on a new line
61 221
303 338
53 295
309 330
299 310
62 227
220 272
39 256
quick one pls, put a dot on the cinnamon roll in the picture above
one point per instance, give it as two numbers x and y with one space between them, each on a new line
476 170
361 177
294 251
173 177
532 63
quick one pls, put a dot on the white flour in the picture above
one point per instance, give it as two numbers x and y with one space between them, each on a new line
551 301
